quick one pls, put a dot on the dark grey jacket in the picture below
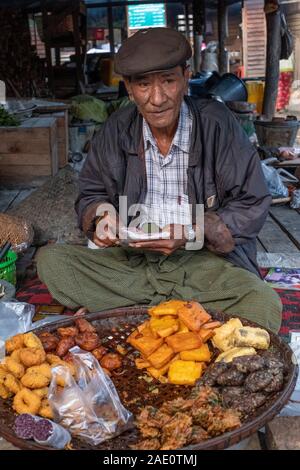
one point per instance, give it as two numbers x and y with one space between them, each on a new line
224 169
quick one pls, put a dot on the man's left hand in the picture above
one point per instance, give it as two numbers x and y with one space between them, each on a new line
163 246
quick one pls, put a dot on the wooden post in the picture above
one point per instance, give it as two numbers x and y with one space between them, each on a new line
222 33
199 31
273 57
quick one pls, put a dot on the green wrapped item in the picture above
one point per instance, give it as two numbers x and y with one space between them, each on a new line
88 108
7 119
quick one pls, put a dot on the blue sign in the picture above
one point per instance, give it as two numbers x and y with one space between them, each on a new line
146 16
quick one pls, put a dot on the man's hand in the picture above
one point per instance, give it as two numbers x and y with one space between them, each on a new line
218 237
106 233
165 247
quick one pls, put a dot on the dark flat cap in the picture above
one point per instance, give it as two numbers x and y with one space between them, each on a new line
152 50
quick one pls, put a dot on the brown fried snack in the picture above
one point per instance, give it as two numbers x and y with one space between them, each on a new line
88 341
64 345
32 356
44 369
32 341
25 401
99 352
49 341
69 358
15 342
84 326
11 383
34 379
14 367
68 331
111 361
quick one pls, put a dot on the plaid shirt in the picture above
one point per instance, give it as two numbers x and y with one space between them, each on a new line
167 197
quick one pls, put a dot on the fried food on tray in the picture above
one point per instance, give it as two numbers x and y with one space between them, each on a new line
145 344
16 355
32 341
111 361
176 432
43 369
99 352
141 363
14 367
32 356
201 354
11 383
45 409
35 379
223 336
211 325
184 372
25 401
158 373
193 315
64 345
164 326
87 340
248 336
232 353
161 356
145 330
49 341
167 308
4 392
41 392
247 364
53 359
68 331
182 327
184 341
205 335
15 342
84 326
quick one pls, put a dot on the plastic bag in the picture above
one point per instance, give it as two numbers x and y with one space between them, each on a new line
41 430
18 231
274 182
91 408
15 317
295 202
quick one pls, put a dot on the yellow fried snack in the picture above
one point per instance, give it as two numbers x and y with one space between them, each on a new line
16 355
205 334
14 367
258 338
41 392
44 369
230 354
11 383
32 341
32 356
182 327
200 355
158 373
166 308
4 392
53 359
184 341
25 401
161 356
193 315
164 326
184 372
222 338
45 410
145 344
145 330
141 363
34 380
15 342
3 373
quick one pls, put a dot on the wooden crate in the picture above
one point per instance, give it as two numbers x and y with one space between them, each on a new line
62 135
29 150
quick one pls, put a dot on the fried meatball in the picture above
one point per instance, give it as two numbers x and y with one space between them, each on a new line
276 383
258 380
68 331
111 361
49 341
87 341
64 345
84 326
231 377
249 402
213 372
247 364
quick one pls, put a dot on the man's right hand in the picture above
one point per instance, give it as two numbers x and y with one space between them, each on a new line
106 233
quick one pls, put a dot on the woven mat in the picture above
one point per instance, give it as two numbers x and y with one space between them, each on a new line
50 209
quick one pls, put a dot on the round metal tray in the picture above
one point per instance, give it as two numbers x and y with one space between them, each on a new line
113 327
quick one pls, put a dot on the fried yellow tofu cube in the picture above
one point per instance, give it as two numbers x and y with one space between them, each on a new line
145 344
199 355
161 356
166 308
184 372
230 354
246 336
193 316
164 326
184 341
158 373
205 335
182 327
145 329
223 336
142 363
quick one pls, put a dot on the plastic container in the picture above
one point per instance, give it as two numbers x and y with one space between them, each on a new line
8 267
230 88
256 93
276 133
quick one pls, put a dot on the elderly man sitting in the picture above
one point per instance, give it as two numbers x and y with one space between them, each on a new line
168 153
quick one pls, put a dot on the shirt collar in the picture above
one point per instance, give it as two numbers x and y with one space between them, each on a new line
182 136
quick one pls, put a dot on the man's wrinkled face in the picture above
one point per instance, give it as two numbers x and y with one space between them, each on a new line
159 95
